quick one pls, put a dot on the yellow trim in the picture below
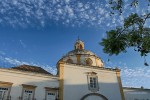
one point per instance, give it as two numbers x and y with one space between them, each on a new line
61 80
6 84
49 88
78 59
28 86
97 61
120 84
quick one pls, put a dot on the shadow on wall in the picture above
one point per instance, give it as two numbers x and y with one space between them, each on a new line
104 91
49 90
44 90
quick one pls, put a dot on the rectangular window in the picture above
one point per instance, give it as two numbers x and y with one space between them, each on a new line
5 88
51 93
93 83
28 92
3 93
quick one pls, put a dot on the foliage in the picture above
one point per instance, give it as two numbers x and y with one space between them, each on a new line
133 33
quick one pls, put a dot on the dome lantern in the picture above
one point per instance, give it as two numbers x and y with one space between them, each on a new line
79 45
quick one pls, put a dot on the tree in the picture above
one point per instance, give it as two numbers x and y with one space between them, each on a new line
133 33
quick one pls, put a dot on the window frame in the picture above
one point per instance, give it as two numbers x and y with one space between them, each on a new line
26 87
7 85
49 89
93 76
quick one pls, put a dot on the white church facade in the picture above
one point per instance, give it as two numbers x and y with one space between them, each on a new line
81 75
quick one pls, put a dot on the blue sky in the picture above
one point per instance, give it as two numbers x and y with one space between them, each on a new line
40 32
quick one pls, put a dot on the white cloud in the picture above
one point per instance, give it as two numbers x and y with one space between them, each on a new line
80 4
22 44
135 77
27 13
67 1
32 12
132 76
16 62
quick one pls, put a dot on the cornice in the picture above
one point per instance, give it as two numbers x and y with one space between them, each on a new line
28 73
95 67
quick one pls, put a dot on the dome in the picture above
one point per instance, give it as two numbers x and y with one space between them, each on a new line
81 56
78 51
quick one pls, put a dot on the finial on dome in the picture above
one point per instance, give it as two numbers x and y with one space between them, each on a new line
79 44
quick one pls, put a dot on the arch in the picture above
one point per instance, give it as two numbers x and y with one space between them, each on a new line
93 94
69 61
81 47
88 62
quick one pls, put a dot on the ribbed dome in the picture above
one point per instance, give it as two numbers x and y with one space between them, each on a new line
78 51
81 56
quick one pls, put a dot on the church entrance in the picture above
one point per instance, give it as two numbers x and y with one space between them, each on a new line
94 96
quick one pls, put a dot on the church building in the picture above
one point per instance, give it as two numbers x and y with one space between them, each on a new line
81 75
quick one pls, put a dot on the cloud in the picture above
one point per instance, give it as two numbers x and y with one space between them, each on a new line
132 76
136 77
14 61
8 61
22 43
39 13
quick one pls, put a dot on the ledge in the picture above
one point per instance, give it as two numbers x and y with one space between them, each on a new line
28 73
95 67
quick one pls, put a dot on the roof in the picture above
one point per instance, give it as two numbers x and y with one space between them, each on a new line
30 68
142 88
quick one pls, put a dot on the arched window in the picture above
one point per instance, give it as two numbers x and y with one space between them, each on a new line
81 46
88 62
69 61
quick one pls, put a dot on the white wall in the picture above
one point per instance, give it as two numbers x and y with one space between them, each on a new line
76 85
29 78
136 94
